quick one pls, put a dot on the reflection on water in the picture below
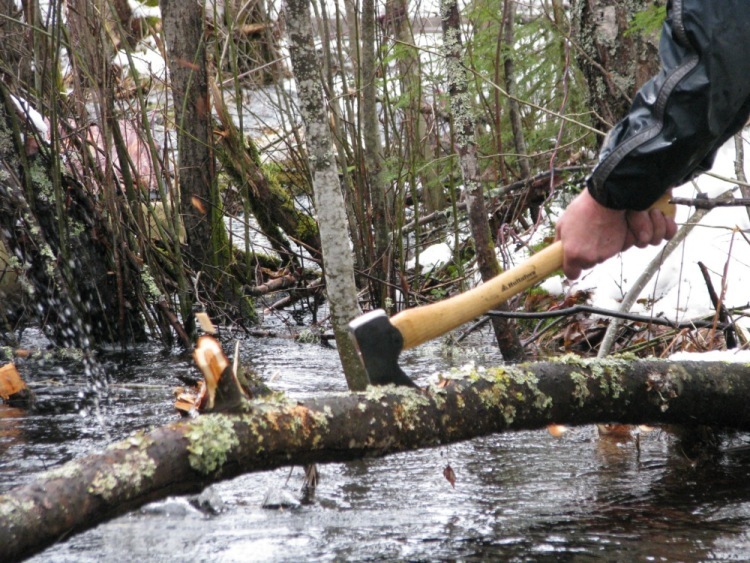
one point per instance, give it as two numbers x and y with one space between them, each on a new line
520 496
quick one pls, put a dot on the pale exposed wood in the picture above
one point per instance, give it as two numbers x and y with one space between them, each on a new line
10 381
338 262
253 28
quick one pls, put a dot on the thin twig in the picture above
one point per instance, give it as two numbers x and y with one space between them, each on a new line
710 203
698 323
721 312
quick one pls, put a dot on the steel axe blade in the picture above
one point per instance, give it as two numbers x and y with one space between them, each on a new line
379 345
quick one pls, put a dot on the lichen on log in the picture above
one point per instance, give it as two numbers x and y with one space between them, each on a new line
188 455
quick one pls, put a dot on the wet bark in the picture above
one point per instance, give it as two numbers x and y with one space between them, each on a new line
615 60
209 248
187 456
466 147
272 207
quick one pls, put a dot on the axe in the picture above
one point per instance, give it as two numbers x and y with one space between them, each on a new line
379 339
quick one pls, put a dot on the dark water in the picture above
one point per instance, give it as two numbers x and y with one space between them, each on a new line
520 497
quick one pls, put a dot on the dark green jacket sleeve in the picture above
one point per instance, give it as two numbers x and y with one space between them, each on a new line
680 118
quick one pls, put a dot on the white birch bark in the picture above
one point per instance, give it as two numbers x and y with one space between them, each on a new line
329 201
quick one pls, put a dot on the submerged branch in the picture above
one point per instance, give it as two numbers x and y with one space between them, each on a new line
187 456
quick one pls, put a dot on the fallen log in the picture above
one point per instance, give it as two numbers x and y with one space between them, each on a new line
186 456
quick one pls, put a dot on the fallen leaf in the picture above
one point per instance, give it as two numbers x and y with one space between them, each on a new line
450 475
557 430
10 381
198 204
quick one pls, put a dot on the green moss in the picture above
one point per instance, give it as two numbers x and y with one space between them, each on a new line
50 267
439 397
495 398
76 228
409 406
139 440
153 293
210 437
124 478
256 425
13 511
647 21
42 183
377 392
607 375
581 389
70 470
321 421
519 377
569 359
307 228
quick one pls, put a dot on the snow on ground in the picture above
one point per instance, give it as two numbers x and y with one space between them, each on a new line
738 356
432 257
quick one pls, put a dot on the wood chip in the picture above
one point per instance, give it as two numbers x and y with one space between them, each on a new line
10 381
207 325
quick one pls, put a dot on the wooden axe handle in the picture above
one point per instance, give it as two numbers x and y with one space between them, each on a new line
421 324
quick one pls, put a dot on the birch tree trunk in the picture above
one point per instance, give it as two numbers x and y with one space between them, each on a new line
329 202
187 456
465 125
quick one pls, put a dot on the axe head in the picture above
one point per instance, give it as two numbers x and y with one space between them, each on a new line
379 345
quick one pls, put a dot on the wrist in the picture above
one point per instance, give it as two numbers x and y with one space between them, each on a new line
597 211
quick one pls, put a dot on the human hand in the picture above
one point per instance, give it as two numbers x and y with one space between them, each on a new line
650 227
591 233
